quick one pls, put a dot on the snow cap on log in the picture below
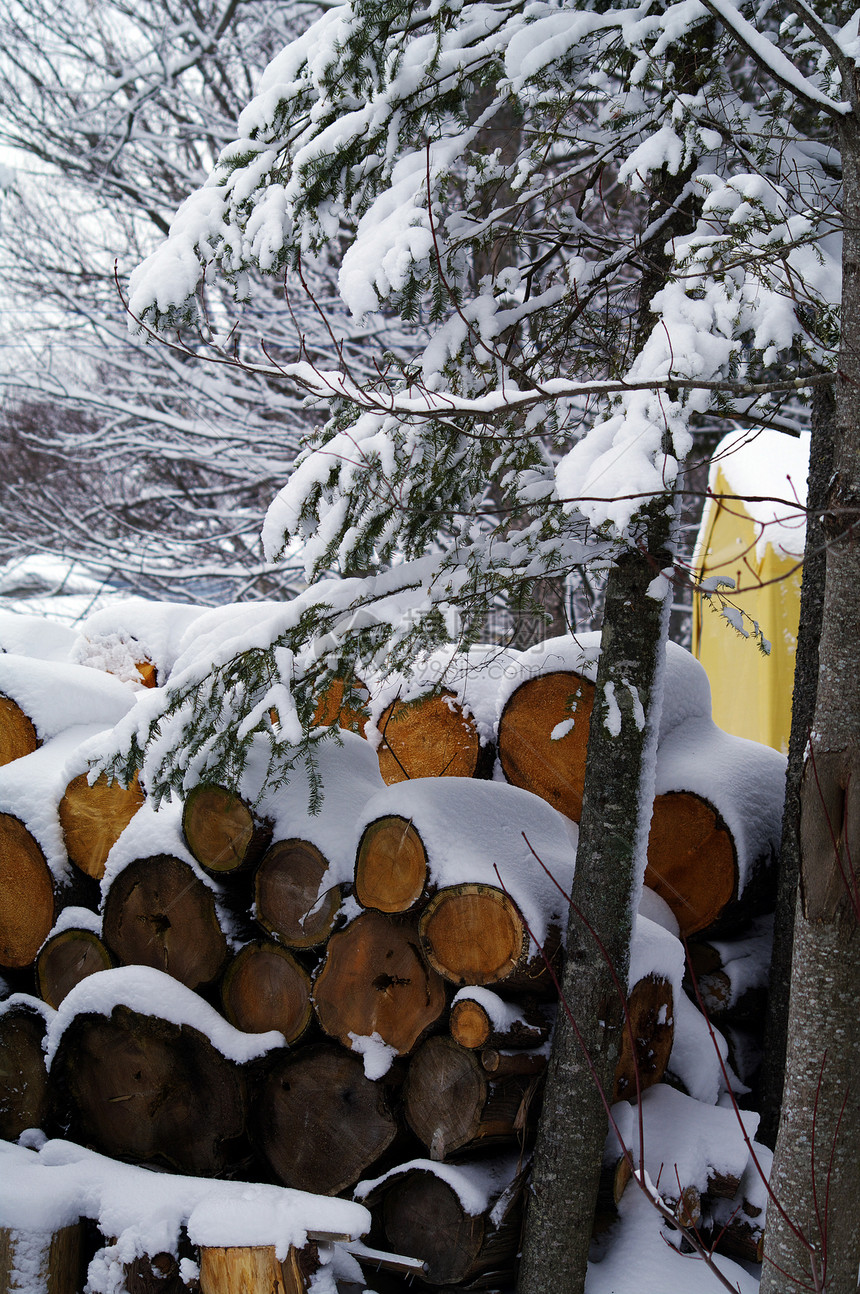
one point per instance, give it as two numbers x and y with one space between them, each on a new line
56 696
150 992
470 828
146 1210
133 631
35 636
687 691
473 678
476 1185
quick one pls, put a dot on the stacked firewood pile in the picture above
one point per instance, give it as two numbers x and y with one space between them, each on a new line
362 999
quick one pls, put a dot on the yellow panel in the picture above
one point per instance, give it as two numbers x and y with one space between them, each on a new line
751 692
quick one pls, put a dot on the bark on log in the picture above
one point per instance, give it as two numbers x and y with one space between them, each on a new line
236 1270
18 735
158 913
67 958
221 830
263 988
423 1217
692 861
451 1102
27 906
375 981
137 1087
24 1095
543 737
431 737
732 975
319 1122
474 934
290 901
391 866
93 817
650 1008
472 1023
36 1261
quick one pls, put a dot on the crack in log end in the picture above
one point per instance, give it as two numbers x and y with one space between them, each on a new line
384 982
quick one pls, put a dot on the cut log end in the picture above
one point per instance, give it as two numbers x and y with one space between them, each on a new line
265 988
543 738
650 1008
430 737
375 981
292 901
220 829
473 934
391 865
18 736
692 863
26 894
93 817
66 959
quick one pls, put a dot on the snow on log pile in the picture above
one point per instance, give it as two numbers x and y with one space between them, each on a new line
361 1000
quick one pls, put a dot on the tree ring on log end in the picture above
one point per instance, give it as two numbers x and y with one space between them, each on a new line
94 816
429 737
424 1218
265 988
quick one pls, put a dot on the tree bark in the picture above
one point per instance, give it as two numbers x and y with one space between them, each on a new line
609 870
818 1144
802 712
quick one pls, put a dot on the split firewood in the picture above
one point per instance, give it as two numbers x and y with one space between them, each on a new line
431 736
424 1215
543 737
66 958
17 733
650 1011
94 816
138 1087
221 830
263 988
24 1097
374 981
474 934
27 894
481 1019
319 1121
452 1103
291 898
50 1262
158 913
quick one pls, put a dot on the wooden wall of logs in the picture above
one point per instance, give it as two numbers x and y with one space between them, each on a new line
416 1009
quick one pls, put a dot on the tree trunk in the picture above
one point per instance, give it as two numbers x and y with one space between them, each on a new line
609 870
818 1145
802 712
